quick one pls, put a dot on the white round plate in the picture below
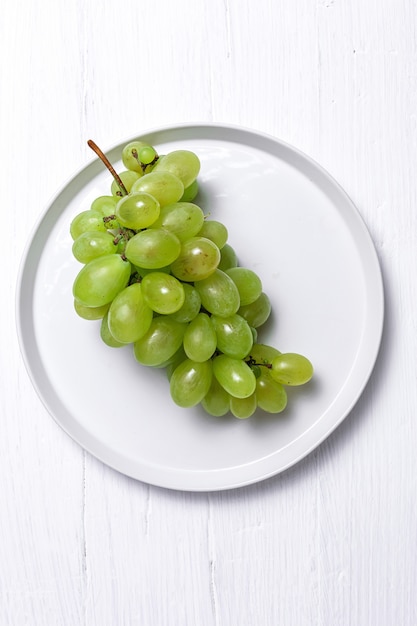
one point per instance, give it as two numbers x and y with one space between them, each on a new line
290 222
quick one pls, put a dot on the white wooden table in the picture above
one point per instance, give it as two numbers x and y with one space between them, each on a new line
333 540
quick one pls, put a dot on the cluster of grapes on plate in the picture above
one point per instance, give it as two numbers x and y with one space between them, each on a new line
162 277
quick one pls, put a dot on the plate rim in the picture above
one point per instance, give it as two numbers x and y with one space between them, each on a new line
208 480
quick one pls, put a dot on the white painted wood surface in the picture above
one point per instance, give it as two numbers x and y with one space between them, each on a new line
333 541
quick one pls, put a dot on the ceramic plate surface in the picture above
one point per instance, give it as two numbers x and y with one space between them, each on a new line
289 221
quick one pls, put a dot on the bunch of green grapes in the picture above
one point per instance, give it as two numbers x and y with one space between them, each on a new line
164 279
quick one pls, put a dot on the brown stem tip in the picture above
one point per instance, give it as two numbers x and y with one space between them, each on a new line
109 166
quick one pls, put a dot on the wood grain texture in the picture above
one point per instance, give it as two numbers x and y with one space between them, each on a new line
333 540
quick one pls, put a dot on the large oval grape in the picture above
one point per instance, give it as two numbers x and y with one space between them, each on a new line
234 375
219 294
129 315
163 186
160 342
92 244
198 258
182 163
101 280
247 282
190 382
291 369
153 248
271 395
163 293
234 336
137 210
184 219
87 221
200 338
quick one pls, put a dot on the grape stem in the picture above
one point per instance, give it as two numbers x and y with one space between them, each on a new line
143 166
123 234
251 362
109 166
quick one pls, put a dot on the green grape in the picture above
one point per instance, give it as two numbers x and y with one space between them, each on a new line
191 306
153 248
106 335
270 395
99 282
254 334
128 177
163 186
197 259
243 408
247 282
228 258
291 369
137 210
215 231
200 339
87 221
160 342
105 205
92 244
216 401
129 315
257 312
234 375
91 313
234 336
190 382
181 163
263 354
190 192
147 155
184 219
163 293
130 156
219 294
